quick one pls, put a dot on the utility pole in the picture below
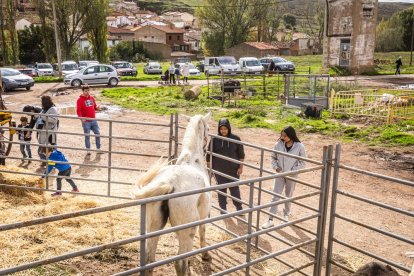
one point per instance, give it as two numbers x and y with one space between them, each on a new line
57 40
412 40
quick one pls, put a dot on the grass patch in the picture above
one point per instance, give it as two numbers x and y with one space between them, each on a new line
47 79
260 112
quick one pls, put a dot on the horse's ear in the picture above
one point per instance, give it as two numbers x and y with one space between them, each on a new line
185 117
207 116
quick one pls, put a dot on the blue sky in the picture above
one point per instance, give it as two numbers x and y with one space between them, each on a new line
396 1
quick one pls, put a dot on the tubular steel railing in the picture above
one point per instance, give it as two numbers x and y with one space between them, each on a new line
252 208
335 215
255 206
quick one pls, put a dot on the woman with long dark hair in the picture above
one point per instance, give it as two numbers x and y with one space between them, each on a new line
47 120
287 143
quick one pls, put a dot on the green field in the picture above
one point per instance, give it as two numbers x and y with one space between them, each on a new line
259 112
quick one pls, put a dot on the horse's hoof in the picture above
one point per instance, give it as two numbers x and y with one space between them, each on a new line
206 257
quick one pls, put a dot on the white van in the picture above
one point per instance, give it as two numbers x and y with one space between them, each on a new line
218 65
250 65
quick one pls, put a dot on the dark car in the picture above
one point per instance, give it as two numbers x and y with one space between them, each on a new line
281 64
31 72
200 65
13 79
125 68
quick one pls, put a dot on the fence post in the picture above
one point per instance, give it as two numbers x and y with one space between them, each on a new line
333 209
325 177
278 87
259 195
143 231
264 86
286 78
176 136
45 149
170 139
249 227
110 158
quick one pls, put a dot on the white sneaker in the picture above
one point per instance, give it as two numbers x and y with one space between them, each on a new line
286 219
268 224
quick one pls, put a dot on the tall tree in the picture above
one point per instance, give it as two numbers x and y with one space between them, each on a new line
4 45
98 34
312 23
228 22
30 45
48 36
11 14
70 17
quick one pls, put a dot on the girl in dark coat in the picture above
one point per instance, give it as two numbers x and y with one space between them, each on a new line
231 150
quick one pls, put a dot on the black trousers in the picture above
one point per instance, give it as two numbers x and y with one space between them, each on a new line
70 181
234 191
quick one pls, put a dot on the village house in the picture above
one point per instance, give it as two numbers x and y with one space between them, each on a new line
350 37
252 49
121 34
193 39
179 19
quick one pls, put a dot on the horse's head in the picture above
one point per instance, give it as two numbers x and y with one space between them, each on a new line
200 125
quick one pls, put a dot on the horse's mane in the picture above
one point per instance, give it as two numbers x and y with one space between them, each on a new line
151 173
188 140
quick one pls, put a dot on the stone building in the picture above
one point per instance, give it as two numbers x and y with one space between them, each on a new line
350 34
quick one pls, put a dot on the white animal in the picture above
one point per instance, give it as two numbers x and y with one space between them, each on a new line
189 173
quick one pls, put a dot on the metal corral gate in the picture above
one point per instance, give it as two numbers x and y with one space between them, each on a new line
387 104
293 89
343 219
259 190
311 197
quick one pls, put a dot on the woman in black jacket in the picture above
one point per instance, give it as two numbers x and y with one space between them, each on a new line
231 150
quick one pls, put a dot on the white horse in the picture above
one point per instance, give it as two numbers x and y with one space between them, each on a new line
189 173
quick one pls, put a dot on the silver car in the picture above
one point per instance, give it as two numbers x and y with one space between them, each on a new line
94 74
13 79
152 68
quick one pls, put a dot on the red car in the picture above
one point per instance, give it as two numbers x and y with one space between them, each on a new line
28 71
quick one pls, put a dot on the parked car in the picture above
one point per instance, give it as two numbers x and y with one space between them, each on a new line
94 74
86 63
152 67
43 69
281 64
200 65
68 67
125 68
250 65
182 60
13 79
193 71
31 72
219 65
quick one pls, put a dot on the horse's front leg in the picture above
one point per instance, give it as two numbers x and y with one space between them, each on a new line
202 232
185 239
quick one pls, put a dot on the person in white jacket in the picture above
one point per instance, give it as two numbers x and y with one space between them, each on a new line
47 125
287 143
185 72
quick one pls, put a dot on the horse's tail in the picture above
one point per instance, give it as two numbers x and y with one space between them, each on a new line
147 189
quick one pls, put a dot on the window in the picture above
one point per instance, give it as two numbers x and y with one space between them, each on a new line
145 36
104 69
367 12
91 70
169 37
178 37
152 37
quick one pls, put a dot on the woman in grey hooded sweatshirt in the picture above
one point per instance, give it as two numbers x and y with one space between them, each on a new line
288 143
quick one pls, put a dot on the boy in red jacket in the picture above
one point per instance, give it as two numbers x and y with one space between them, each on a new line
86 107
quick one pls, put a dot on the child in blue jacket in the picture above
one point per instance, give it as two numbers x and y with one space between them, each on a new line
64 169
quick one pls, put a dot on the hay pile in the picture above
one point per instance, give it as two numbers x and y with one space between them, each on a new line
19 180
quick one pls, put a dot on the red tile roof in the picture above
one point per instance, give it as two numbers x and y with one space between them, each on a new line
114 30
261 45
169 29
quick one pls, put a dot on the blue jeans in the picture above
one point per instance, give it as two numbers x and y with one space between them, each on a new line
87 127
26 147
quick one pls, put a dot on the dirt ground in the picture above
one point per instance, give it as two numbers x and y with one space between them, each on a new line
380 160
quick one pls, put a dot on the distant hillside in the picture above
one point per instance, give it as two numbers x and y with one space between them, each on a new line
296 7
388 9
